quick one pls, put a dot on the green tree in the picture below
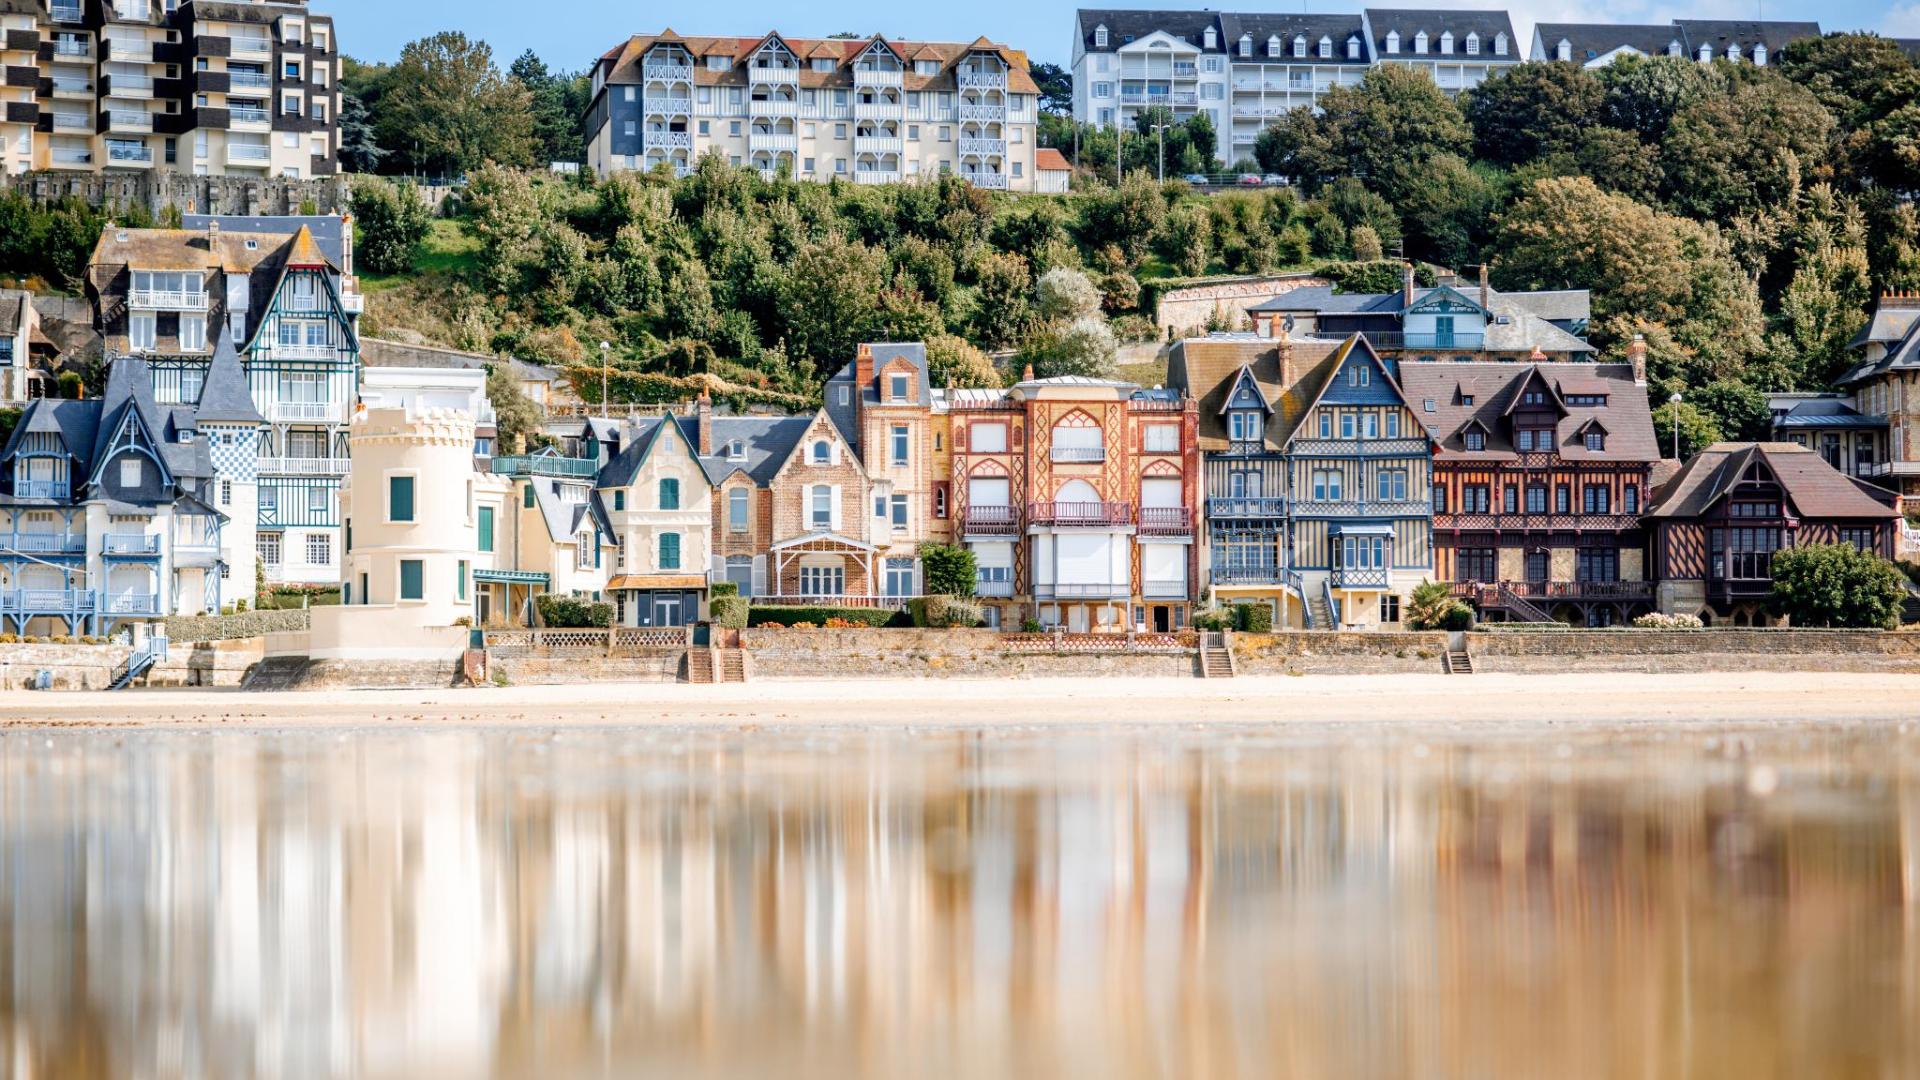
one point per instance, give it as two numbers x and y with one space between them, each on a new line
829 302
949 569
1697 430
360 151
1065 294
1056 87
517 418
1644 93
1084 347
1532 110
952 361
1000 310
556 101
447 106
389 223
1185 239
1384 131
1836 585
1728 153
1431 606
506 216
1124 217
1738 411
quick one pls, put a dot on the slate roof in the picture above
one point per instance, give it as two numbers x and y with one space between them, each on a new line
1494 388
767 441
1814 489
1830 413
1488 23
86 428
844 417
1902 355
1128 25
225 397
1911 45
1531 324
14 305
1337 28
1746 33
564 518
327 229
1207 368
1590 41
1891 319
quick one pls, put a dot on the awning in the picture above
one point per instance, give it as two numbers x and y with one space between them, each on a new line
657 581
1363 530
511 577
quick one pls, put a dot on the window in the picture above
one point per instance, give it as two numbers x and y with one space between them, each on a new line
1744 553
1476 440
1476 564
193 333
988 438
899 444
899 513
267 546
486 528
620 500
1326 485
1562 499
130 472
1474 499
1243 425
413 579
1510 499
1597 499
669 494
940 501
1393 424
1596 440
319 549
1391 485
1326 425
1347 425
822 452
460 580
1524 441
400 498
1389 608
317 500
822 509
1597 564
1439 499
823 580
584 551
898 388
1536 498
1372 426
1165 438
1861 539
737 510
226 493
1630 499
669 551
140 332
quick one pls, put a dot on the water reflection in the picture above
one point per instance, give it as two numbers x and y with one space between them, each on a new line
928 904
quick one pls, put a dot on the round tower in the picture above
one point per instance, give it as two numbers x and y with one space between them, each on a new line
410 523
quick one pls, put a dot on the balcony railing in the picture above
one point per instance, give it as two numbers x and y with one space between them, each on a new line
129 120
1395 339
654 138
72 122
1070 514
878 110
667 105
251 45
248 116
877 144
991 521
1083 590
1537 522
167 299
872 76
44 543
984 147
982 80
1368 577
133 154
70 47
1078 454
304 466
306 411
130 544
1361 508
895 603
132 604
70 85
1002 586
775 141
772 106
248 152
983 114
667 72
779 76
66 155
50 601
120 85
1360 447
68 13
1165 589
1258 507
545 465
988 181
42 489
876 176
1166 521
1247 575
247 80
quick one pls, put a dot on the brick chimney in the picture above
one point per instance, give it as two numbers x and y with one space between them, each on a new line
703 415
213 236
1284 350
1637 356
1406 287
1026 374
862 375
1486 289
346 245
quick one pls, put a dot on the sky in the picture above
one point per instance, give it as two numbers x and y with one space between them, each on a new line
376 29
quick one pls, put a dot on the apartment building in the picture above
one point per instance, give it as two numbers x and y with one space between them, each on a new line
867 110
1594 45
1245 70
281 292
212 87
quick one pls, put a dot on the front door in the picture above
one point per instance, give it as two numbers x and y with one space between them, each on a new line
1443 331
666 610
1162 619
482 605
1077 618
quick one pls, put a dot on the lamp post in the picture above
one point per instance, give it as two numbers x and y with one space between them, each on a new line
1160 131
605 348
1675 402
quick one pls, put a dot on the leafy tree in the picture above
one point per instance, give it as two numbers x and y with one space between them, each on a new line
951 361
1350 201
1056 87
1532 110
517 418
1697 430
1857 77
1065 294
389 224
1083 347
1737 410
1836 585
1366 243
507 218
1644 93
1000 311
359 150
447 106
1449 209
949 569
1725 153
1125 216
1185 239
1384 131
829 301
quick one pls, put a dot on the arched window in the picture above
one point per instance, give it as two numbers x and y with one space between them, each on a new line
1564 50
1393 41
1353 48
1076 438
669 493
1500 44
822 452
1100 36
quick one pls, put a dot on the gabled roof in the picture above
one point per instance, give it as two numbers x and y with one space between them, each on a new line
1531 376
1408 22
1494 387
767 441
1047 159
643 436
326 231
885 353
225 397
1591 41
1902 355
1813 488
1324 375
1247 380
623 65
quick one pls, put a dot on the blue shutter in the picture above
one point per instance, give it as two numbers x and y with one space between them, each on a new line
412 579
669 551
400 498
669 494
486 528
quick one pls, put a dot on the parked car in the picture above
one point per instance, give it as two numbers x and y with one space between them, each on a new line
1248 179
1275 180
1197 179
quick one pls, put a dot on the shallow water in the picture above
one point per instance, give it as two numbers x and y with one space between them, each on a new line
1117 902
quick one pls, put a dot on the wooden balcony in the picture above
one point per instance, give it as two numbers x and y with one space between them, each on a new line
1166 521
1536 522
130 544
991 521
1363 577
1350 448
1095 515
1258 507
1561 590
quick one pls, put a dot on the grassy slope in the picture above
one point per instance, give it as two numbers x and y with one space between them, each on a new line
450 248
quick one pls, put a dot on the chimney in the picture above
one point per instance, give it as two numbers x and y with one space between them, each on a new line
1486 290
213 235
1026 374
863 366
703 416
1284 350
1637 356
346 245
1406 287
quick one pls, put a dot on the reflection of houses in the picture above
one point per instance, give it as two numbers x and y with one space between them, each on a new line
1077 498
111 503
1717 524
1443 322
1541 472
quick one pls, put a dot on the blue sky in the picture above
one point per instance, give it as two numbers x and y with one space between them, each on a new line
582 29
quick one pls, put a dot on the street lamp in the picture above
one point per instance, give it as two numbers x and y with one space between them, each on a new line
605 347
1675 402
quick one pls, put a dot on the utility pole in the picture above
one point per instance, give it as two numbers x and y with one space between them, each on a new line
1119 133
605 347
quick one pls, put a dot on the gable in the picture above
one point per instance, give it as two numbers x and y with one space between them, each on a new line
1361 379
1445 300
821 429
1246 393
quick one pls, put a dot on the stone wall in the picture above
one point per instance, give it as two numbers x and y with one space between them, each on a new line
1318 653
1186 310
73 667
664 666
183 629
207 663
938 654
190 194
1679 651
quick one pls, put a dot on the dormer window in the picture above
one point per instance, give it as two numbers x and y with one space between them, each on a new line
1706 53
1243 425
1564 50
1393 42
1273 45
1476 440
1353 48
1473 44
1299 45
1760 55
1500 44
1596 439
822 452
736 450
1246 44
1420 42
1100 37
1673 48
1326 48
1733 53
898 387
1212 39
1446 43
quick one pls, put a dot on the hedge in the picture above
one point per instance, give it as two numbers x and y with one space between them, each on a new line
728 610
566 612
182 629
762 614
944 612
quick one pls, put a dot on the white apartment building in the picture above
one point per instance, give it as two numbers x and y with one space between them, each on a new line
1246 70
867 110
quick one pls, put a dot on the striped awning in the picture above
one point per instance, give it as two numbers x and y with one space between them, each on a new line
656 581
511 577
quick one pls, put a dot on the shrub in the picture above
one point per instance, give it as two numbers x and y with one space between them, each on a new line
239 607
723 588
1458 616
569 612
184 629
944 612
1836 585
795 615
9 639
1212 618
1428 606
390 222
805 626
1254 618
950 569
1657 621
728 610
1031 626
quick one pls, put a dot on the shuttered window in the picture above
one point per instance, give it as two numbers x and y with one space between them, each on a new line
413 580
669 551
486 528
669 494
399 498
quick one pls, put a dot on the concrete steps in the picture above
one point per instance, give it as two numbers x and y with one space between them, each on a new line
706 666
1457 663
1322 614
700 666
733 665
275 673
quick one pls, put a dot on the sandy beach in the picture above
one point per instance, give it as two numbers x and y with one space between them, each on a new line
1489 700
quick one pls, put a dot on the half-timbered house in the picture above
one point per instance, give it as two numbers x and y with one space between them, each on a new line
1718 523
1434 323
1540 474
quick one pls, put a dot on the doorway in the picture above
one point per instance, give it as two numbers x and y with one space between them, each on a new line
666 610
1162 619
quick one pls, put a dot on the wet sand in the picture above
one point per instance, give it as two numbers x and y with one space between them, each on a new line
1525 701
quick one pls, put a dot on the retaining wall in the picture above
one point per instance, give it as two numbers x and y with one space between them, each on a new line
664 666
1680 651
942 654
1322 653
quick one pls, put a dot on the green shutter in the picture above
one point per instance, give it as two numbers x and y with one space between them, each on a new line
669 494
413 584
486 528
400 498
526 495
461 585
620 500
669 551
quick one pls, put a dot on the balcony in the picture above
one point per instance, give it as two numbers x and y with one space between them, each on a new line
130 544
308 412
1166 589
42 489
303 466
878 110
545 465
1361 508
49 601
662 72
1185 69
1096 515
1368 577
72 86
72 122
991 521
1083 590
773 141
872 76
1166 521
249 153
774 76
248 80
1360 447
999 586
129 120
44 543
71 49
983 147
877 144
115 84
69 13
70 157
131 603
129 154
1256 507
251 45
1268 574
773 107
983 114
667 105
981 80
1078 455
658 139
989 181
1536 522
238 115
167 299
1395 339
876 176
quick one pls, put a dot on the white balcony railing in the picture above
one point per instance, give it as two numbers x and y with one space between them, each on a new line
130 544
877 176
72 122
988 181
304 466
133 603
1079 454
71 85
984 147
249 152
667 105
294 412
119 85
248 116
982 80
779 76
983 114
772 106
128 120
872 76
667 72
167 299
878 110
65 12
773 140
877 144
669 140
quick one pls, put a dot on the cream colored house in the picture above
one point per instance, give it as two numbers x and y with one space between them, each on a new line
661 505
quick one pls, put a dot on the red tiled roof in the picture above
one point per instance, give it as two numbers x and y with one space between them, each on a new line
1047 159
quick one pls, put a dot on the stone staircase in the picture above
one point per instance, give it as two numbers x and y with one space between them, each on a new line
706 666
733 665
700 666
1457 662
1216 657
1322 614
